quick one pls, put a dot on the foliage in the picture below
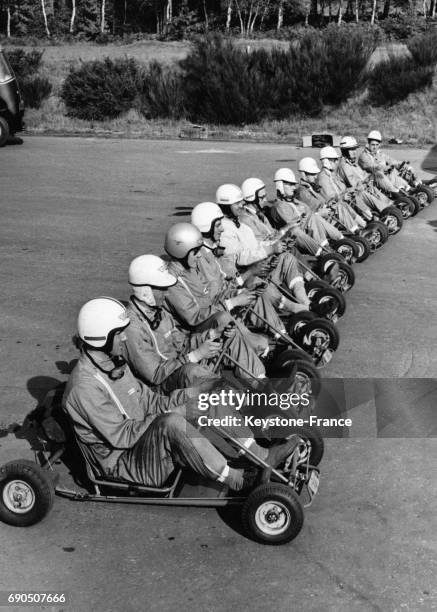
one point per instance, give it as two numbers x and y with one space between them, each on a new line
25 63
162 93
423 48
402 26
35 90
394 79
102 89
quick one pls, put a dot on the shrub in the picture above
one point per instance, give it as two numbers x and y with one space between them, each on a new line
162 92
394 79
348 50
219 85
35 90
25 63
402 26
423 48
102 89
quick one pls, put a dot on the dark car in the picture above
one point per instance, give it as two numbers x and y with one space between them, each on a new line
11 103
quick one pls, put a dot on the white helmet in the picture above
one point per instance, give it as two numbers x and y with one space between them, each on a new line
182 238
251 187
309 165
348 142
204 214
99 318
150 270
374 135
285 175
228 194
328 153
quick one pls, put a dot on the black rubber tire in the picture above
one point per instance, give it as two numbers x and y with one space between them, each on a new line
324 262
392 219
406 205
363 248
423 194
347 248
417 206
284 498
299 319
287 362
313 435
375 234
303 337
293 354
4 131
346 278
40 484
328 294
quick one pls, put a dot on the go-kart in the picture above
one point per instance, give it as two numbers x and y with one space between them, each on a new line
423 191
271 505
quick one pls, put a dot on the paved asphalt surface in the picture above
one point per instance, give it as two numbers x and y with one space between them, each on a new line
74 212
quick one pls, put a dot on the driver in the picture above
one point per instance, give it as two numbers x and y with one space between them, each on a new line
128 432
159 351
381 166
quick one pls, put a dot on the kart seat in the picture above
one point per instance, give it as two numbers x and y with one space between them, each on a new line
117 483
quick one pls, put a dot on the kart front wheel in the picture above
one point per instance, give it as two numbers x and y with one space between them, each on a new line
26 493
313 437
272 514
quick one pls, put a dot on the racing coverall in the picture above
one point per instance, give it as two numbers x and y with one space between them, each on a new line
242 242
190 302
383 168
366 197
164 356
128 432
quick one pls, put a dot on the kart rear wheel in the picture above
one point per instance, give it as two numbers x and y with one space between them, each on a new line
4 131
392 219
328 295
320 339
363 248
272 514
424 195
306 376
375 234
347 248
407 206
326 261
27 493
345 279
298 320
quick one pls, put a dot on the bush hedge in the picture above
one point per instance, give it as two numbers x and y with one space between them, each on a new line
221 83
394 79
35 90
25 63
423 48
102 89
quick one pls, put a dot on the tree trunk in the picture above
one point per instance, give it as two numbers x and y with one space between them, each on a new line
8 22
44 14
340 15
73 15
432 10
280 15
263 16
229 15
329 10
169 11
205 12
386 11
103 16
357 11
